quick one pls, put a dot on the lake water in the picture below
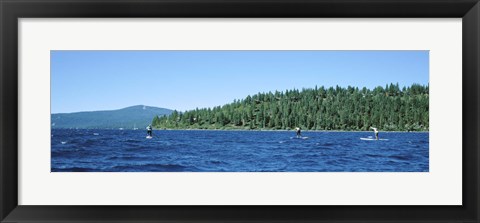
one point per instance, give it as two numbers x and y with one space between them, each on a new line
236 151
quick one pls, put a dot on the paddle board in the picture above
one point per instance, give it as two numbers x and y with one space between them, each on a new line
148 137
373 139
298 137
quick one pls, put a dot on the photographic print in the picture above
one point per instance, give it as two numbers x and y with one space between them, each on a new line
239 111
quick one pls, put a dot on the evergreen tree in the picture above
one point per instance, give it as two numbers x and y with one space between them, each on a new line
335 108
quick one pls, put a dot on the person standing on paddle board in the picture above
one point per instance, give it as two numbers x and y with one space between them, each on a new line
149 130
376 132
299 132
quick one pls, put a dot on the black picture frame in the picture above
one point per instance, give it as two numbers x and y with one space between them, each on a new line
12 10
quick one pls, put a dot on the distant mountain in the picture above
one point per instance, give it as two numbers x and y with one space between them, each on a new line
136 116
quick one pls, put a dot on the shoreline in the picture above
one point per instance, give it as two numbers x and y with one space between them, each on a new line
246 130
281 130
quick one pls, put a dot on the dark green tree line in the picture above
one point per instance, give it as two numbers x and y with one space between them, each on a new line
388 108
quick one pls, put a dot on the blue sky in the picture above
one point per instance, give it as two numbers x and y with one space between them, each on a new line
183 80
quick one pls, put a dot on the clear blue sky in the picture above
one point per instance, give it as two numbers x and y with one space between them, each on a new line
183 80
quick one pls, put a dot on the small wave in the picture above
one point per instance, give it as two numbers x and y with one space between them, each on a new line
298 156
73 169
373 155
61 153
323 147
74 153
309 163
132 141
332 162
126 158
399 157
89 142
152 168
217 162
328 144
137 148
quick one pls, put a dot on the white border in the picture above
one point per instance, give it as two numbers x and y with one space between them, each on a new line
441 186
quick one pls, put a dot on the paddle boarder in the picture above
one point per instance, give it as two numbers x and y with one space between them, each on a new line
149 130
376 132
299 132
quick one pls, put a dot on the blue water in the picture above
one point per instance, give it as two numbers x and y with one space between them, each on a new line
236 151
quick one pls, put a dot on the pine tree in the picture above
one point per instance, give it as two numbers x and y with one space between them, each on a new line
350 108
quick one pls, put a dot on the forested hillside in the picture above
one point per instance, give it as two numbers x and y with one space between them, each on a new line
388 108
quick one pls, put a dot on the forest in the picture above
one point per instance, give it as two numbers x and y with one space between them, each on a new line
388 108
